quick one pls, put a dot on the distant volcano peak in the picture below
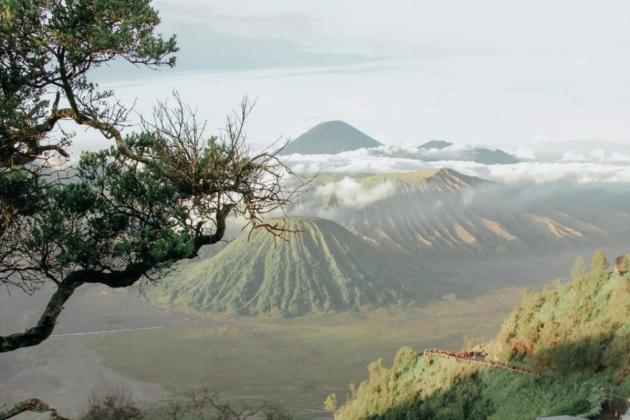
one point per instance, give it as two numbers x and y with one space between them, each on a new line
330 137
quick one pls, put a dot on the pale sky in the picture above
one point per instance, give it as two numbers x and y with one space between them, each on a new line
538 73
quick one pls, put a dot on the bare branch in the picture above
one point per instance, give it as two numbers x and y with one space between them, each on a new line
32 405
182 198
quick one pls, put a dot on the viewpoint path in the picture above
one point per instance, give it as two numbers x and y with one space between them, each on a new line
474 358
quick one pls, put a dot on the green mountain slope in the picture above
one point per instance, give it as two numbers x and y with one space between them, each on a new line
573 339
330 138
323 267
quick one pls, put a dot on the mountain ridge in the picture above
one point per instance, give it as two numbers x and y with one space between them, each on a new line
441 211
477 154
435 144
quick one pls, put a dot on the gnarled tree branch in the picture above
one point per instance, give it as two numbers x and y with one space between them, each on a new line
46 324
32 405
114 279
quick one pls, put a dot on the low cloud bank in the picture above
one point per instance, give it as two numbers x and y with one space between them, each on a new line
462 152
571 171
349 193
597 155
336 199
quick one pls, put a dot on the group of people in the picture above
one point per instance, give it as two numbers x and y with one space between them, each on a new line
457 355
478 357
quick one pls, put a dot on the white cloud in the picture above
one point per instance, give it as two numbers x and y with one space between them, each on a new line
568 173
350 193
417 27
573 172
450 72
523 152
462 152
574 157
452 152
597 155
352 162
620 157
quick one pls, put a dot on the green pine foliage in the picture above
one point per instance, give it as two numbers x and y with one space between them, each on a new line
578 271
583 325
622 264
599 263
573 338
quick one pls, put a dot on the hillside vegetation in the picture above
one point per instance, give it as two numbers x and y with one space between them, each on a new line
321 268
573 338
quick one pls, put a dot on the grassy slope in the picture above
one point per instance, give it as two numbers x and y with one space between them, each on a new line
575 335
294 363
323 267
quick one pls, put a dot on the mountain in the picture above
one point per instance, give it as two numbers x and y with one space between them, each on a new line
322 267
492 157
564 351
442 150
330 138
444 212
435 144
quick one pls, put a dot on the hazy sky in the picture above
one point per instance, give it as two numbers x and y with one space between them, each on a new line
535 73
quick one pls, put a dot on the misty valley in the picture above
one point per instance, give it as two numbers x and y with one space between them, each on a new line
369 263
414 212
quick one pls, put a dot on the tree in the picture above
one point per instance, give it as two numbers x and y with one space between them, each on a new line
578 271
121 215
210 406
622 264
599 263
32 405
119 406
330 404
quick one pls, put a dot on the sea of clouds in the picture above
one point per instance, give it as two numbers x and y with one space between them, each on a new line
594 167
453 152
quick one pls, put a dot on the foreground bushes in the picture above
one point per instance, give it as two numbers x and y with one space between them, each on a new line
573 337
204 406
